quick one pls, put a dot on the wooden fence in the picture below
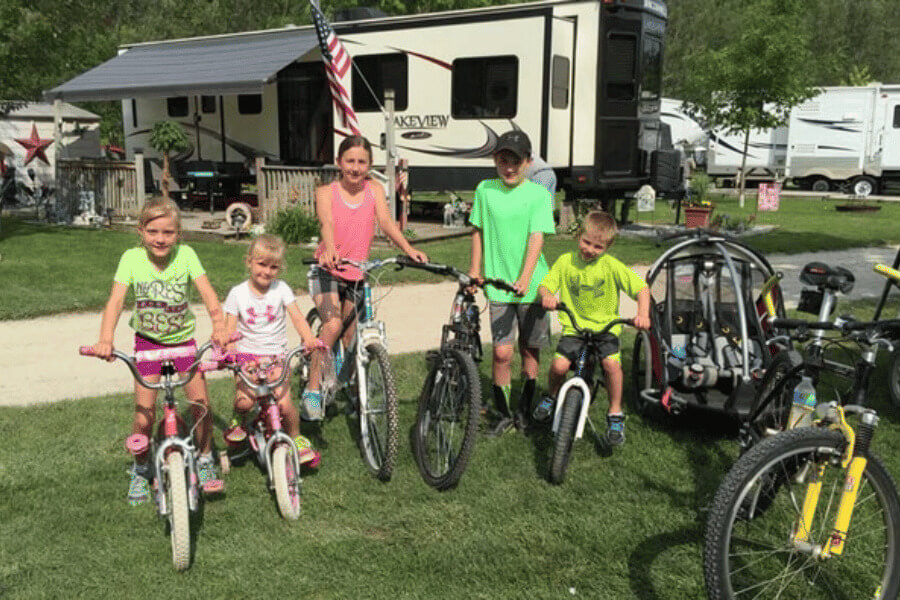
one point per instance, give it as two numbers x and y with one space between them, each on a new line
280 187
96 186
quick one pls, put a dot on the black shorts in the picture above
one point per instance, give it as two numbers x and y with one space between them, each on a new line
570 346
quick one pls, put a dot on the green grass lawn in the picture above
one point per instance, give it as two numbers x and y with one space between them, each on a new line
623 525
48 270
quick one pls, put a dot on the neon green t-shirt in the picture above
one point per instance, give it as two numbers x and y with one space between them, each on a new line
591 290
161 298
507 217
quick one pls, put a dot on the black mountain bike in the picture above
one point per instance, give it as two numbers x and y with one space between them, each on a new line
450 402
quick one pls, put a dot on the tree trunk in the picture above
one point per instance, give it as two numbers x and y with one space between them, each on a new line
741 173
165 176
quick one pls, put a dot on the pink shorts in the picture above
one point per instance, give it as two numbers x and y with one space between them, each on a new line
154 367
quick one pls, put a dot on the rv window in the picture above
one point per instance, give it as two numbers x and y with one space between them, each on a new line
619 62
249 104
208 104
651 69
559 94
897 116
485 87
177 106
381 72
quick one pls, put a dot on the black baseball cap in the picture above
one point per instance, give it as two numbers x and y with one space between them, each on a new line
516 142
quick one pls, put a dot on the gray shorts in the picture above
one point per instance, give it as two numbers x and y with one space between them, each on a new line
324 282
532 320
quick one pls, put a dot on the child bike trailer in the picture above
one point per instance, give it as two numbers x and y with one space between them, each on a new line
709 342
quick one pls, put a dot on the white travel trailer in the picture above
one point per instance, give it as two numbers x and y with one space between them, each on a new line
847 137
27 152
581 77
766 154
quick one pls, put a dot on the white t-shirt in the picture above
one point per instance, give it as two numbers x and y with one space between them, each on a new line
261 319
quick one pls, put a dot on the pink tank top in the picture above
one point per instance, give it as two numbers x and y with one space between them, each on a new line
354 229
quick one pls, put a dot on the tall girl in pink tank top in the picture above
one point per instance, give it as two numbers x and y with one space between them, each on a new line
348 210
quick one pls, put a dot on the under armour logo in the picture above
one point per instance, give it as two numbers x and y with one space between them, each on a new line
269 315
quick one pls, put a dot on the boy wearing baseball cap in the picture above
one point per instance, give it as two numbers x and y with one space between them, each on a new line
511 215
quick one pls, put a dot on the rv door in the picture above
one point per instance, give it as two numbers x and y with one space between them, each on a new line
558 103
890 157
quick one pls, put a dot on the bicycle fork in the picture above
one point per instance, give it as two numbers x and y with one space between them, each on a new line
854 466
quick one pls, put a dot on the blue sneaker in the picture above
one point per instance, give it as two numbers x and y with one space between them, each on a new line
139 488
544 409
615 429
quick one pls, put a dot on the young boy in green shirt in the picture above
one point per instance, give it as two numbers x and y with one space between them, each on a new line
511 216
588 282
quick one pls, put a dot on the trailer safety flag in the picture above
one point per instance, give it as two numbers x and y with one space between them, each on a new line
768 196
337 67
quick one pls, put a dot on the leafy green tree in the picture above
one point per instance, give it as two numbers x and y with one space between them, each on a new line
167 137
754 80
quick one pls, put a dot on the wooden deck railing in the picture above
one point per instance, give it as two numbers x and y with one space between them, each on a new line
280 187
96 186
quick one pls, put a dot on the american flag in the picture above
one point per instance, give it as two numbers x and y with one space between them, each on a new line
337 67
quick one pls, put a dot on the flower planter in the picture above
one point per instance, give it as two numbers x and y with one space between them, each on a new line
696 216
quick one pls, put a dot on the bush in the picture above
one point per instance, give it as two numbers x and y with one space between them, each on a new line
294 225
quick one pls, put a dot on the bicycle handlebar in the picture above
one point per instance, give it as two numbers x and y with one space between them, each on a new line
463 278
364 266
235 362
562 307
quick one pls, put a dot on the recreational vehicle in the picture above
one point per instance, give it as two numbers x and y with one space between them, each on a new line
848 138
581 77
766 154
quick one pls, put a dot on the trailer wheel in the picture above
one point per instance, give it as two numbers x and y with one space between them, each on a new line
819 184
863 186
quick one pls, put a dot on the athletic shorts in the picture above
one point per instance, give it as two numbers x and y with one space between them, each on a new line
531 320
321 281
569 347
154 367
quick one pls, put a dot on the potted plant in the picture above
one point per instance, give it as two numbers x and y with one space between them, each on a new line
698 209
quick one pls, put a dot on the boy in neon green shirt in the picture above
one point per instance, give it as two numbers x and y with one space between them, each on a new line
511 216
588 282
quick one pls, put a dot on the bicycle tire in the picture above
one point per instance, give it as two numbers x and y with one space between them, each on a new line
894 377
286 483
378 426
638 373
735 560
449 410
565 436
179 515
775 415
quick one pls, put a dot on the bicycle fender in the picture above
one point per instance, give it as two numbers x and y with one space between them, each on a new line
585 403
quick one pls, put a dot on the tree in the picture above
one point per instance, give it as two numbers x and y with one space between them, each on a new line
754 80
167 137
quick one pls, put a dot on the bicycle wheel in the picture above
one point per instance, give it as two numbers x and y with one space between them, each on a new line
328 389
638 379
748 553
447 419
894 377
378 428
773 418
179 516
286 482
565 435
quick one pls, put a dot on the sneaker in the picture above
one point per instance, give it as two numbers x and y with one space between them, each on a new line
615 430
544 410
235 434
308 456
502 426
311 408
209 479
139 488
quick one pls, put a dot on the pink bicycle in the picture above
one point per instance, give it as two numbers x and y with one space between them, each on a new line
267 442
174 455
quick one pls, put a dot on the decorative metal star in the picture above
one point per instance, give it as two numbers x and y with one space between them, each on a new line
35 146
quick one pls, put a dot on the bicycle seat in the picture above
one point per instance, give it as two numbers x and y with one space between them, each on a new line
827 277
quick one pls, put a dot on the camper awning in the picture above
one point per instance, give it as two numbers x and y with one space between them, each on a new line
229 64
